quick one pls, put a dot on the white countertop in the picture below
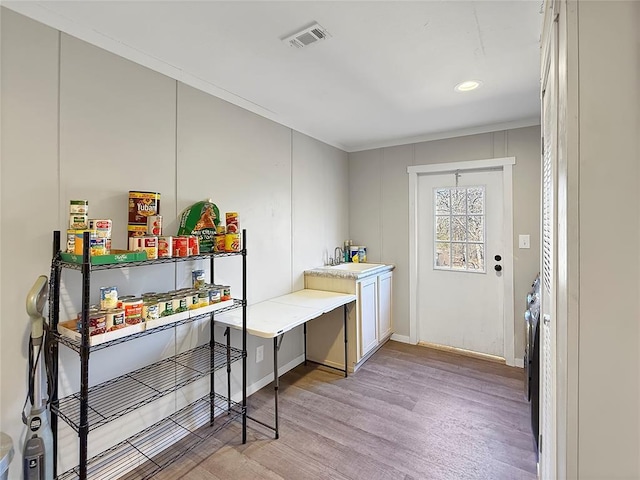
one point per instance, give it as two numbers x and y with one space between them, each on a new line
352 271
278 315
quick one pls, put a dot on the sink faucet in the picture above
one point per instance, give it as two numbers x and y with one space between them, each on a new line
338 253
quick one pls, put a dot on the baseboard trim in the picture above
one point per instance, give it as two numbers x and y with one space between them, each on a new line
519 362
462 351
401 338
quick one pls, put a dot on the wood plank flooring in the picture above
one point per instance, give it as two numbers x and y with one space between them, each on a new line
409 413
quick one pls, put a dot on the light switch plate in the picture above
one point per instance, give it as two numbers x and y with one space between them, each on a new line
524 241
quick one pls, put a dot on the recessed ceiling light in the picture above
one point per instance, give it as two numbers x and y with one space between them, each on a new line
468 86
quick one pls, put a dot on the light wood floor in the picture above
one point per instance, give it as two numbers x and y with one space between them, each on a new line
409 413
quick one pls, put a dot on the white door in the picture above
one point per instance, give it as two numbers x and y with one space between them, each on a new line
460 257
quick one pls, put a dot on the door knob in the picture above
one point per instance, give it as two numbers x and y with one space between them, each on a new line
497 258
498 268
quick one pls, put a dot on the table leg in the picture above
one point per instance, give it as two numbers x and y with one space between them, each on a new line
345 341
276 379
305 343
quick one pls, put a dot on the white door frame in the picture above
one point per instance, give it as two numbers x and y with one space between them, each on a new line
506 165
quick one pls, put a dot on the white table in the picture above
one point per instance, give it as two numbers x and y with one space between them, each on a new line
275 317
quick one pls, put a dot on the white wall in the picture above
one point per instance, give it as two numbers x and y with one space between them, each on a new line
78 122
379 196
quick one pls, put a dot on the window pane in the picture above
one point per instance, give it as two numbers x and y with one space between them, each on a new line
475 257
475 199
442 229
442 254
475 227
443 203
458 255
459 229
458 201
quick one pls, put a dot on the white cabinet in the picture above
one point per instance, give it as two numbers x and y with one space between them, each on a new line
385 324
369 324
367 304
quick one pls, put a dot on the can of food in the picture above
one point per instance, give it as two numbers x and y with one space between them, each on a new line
225 292
78 221
353 253
165 306
123 298
97 323
203 297
165 247
215 295
198 279
221 230
102 226
115 319
79 241
143 205
233 225
108 298
179 303
78 207
154 225
180 246
71 241
232 242
150 245
150 294
193 300
132 311
362 254
150 309
218 242
194 245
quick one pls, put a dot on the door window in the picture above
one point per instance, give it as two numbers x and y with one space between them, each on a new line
459 227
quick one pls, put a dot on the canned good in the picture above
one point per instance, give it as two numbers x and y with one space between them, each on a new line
114 319
215 295
165 247
203 297
194 245
180 246
233 225
136 230
221 230
124 298
143 205
149 294
132 310
362 254
150 309
179 303
108 298
102 226
232 242
97 323
79 207
218 242
198 279
353 253
154 225
225 292
165 306
79 241
193 299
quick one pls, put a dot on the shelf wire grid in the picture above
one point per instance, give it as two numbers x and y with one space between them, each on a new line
76 346
143 455
109 266
121 395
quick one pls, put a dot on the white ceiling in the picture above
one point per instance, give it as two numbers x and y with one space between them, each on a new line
385 77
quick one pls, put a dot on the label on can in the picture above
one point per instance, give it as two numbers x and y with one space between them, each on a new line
218 242
150 310
180 246
136 230
225 292
150 245
115 319
71 241
233 225
98 246
232 242
194 245
143 205
154 225
203 297
102 226
165 305
132 310
198 278
108 298
214 295
193 300
165 247
97 323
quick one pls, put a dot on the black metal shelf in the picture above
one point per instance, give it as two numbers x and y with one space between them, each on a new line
76 346
145 454
110 266
117 397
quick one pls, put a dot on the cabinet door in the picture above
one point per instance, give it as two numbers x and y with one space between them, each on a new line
368 309
385 323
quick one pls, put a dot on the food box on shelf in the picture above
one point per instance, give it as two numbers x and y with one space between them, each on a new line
116 256
68 329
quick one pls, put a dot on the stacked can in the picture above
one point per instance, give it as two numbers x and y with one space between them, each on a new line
78 222
101 244
232 237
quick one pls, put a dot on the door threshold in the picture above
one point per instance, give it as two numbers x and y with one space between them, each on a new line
462 351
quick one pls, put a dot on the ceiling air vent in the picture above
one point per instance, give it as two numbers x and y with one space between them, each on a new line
306 37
